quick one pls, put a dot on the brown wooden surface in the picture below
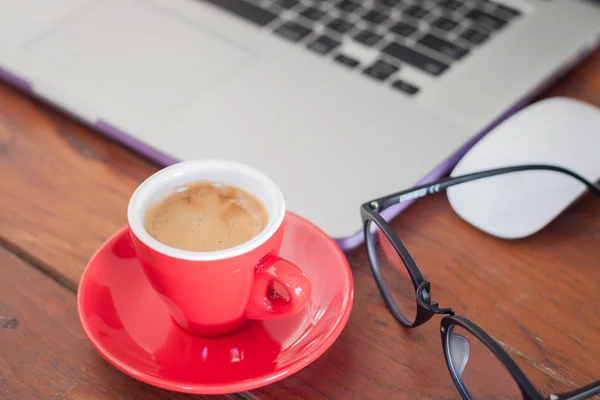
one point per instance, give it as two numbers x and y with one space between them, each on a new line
65 189
44 354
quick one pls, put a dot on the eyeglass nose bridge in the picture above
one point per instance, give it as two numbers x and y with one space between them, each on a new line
424 300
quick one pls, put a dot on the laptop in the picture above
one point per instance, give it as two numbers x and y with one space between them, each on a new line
337 100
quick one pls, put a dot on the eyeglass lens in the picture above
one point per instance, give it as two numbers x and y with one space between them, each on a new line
478 369
394 276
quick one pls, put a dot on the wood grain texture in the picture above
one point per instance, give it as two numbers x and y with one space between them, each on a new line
65 190
43 351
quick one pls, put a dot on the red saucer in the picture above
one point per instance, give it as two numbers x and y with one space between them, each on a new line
129 325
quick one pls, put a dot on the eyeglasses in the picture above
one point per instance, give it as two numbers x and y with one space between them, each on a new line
472 356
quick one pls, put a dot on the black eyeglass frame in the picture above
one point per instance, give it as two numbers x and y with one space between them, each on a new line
426 307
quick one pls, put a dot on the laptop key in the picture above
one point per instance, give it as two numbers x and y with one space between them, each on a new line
481 28
451 5
340 25
415 12
474 36
348 6
286 3
368 38
442 46
347 61
512 12
485 19
246 10
444 24
403 29
380 70
312 13
405 87
389 3
292 31
375 17
416 59
323 44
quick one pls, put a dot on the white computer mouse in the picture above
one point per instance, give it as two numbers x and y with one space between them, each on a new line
558 131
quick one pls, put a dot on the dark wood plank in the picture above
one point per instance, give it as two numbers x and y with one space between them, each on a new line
43 351
73 187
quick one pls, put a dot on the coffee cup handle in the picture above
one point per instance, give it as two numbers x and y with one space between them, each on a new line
293 279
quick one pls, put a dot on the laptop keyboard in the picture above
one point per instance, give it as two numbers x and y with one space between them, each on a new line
429 35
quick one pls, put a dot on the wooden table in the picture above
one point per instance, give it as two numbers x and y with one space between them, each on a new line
65 189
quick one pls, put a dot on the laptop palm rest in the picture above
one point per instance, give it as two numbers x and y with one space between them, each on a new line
131 58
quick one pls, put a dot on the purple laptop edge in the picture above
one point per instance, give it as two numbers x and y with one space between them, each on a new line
346 243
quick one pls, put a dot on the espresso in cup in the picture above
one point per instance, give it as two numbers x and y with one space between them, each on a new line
208 235
206 216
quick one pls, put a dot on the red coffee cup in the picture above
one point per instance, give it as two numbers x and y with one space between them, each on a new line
214 293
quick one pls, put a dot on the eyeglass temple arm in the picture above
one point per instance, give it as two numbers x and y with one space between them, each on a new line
579 394
442 184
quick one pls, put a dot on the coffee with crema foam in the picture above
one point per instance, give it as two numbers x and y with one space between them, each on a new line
206 216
